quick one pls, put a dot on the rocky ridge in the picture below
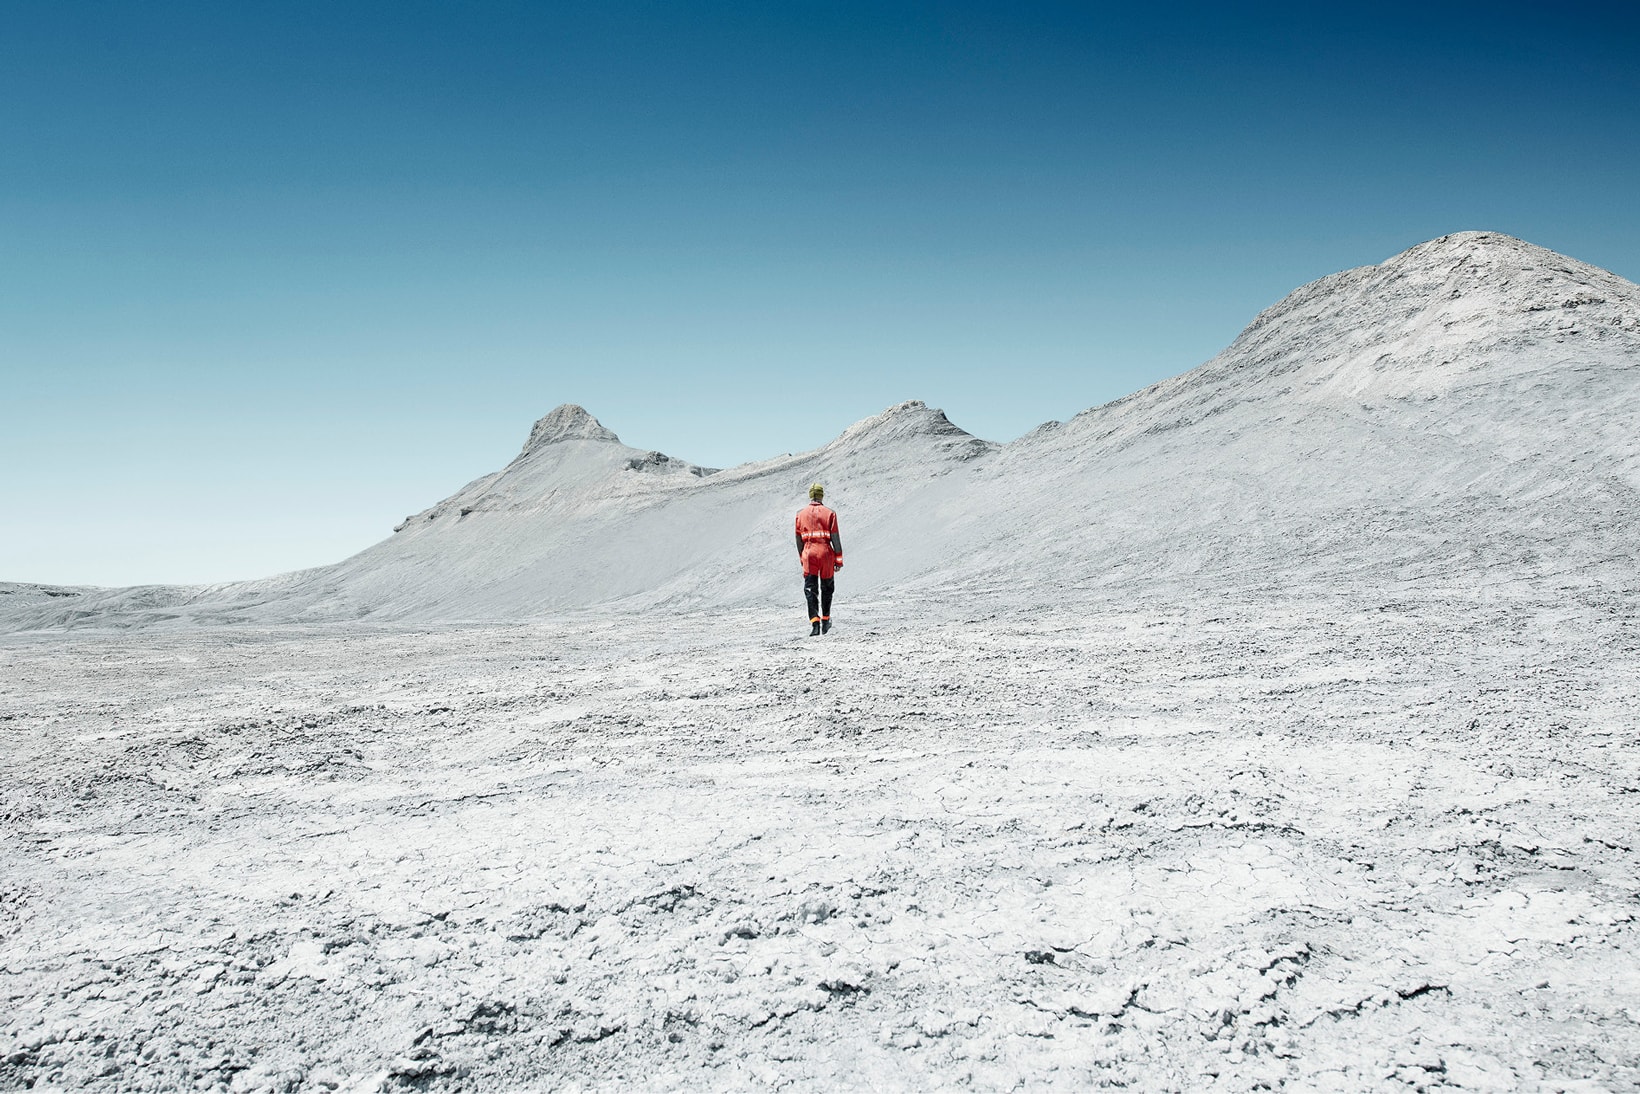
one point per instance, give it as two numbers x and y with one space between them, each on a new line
912 419
1471 392
567 422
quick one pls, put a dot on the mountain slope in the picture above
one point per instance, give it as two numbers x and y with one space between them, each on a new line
1464 412
1468 405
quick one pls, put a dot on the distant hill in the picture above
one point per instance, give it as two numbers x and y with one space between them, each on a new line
1463 415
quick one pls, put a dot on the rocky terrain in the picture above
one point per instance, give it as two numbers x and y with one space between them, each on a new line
1355 842
1274 727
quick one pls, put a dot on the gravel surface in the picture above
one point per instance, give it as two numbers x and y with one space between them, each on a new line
1337 841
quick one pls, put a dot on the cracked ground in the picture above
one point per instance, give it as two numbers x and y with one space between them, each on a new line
1344 843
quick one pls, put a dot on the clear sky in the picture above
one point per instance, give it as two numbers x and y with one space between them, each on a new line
273 276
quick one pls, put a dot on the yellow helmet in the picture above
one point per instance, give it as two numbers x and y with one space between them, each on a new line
816 491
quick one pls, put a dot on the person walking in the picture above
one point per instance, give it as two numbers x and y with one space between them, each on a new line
820 549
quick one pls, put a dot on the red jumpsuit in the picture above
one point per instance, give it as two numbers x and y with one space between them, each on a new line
817 531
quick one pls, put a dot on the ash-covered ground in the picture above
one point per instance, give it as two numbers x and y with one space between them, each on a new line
1351 840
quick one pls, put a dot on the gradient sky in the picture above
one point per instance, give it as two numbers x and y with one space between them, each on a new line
274 276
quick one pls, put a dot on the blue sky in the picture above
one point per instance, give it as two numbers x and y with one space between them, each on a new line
273 276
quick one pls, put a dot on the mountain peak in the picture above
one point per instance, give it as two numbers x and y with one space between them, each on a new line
1448 313
1469 242
1481 251
910 419
568 422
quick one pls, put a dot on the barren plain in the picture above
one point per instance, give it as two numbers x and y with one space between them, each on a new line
1376 840
1274 727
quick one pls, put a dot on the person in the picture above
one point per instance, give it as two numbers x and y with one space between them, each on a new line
820 549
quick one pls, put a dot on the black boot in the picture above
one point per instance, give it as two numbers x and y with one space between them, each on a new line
815 629
825 626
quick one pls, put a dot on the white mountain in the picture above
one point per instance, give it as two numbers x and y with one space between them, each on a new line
1466 410
1462 414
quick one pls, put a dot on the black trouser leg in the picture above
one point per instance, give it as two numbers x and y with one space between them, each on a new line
811 593
827 586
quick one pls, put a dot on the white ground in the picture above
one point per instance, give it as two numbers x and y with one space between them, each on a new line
1274 726
1347 842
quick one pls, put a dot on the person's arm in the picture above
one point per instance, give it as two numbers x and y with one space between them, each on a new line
836 539
799 542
